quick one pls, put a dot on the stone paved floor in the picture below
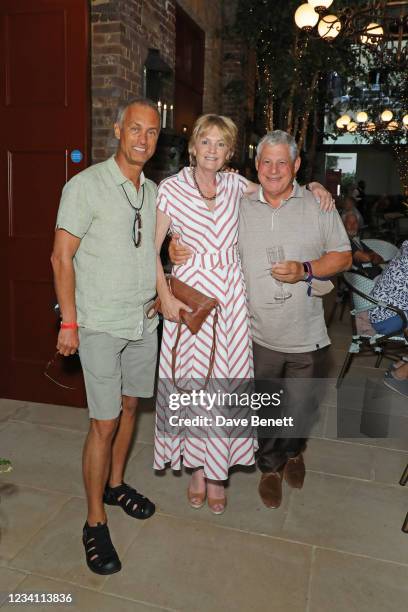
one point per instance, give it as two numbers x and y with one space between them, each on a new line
335 546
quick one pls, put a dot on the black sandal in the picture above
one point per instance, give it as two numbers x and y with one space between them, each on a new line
101 556
133 503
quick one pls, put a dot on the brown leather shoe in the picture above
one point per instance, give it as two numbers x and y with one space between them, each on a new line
295 472
270 489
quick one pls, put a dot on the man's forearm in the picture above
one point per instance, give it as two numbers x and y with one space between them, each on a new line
362 257
332 263
161 283
327 265
64 283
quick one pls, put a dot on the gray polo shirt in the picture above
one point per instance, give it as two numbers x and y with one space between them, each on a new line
114 280
298 225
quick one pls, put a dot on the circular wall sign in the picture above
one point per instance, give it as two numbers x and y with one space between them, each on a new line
76 156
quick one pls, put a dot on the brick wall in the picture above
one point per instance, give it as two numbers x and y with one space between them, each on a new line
122 32
105 62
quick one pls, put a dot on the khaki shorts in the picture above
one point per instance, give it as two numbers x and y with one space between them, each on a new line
114 367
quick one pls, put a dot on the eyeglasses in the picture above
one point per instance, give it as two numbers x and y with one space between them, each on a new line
137 225
137 230
53 372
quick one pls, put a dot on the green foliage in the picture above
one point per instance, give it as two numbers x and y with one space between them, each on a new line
5 465
347 180
293 68
331 162
288 60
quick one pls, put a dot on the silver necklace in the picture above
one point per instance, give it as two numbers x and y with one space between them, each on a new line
193 171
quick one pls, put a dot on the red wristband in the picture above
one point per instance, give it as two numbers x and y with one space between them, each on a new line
69 325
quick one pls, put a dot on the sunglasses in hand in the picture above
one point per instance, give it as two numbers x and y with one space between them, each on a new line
59 367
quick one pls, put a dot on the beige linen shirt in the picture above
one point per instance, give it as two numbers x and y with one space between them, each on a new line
114 280
305 233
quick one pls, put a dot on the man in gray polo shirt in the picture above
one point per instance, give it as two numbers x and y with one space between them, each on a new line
104 263
289 334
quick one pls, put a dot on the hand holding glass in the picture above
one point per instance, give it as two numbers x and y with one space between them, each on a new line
276 254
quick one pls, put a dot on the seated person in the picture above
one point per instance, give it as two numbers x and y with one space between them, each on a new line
378 209
391 287
359 195
381 205
362 254
358 191
350 205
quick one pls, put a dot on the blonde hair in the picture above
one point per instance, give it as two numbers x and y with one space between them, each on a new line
226 126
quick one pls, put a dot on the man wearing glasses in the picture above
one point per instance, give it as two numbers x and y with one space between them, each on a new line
104 263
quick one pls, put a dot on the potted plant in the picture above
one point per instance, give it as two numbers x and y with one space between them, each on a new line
5 465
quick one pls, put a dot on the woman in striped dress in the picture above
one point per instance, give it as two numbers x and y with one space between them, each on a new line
201 204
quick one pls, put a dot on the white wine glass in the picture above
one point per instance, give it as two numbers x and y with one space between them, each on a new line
276 254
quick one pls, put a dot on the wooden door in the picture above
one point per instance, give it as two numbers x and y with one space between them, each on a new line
44 117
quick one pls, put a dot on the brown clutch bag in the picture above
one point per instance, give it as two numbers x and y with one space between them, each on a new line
201 306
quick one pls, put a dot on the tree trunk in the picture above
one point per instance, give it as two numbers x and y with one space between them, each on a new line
303 130
269 115
291 97
289 121
296 126
308 108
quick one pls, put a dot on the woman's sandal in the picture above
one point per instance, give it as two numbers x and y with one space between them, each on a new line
196 500
217 505
133 503
101 556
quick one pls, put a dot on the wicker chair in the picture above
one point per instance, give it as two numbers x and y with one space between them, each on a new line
403 481
341 300
387 250
365 339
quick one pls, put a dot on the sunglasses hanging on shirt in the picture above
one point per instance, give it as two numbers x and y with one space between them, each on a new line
137 224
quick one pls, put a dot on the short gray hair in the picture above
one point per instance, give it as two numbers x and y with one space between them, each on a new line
120 115
278 137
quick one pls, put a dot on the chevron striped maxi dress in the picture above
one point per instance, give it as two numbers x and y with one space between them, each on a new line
214 270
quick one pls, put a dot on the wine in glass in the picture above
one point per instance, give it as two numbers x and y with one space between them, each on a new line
276 254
